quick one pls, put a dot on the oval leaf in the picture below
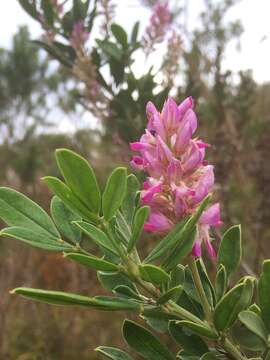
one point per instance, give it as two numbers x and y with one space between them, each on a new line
153 274
36 239
254 323
66 195
64 219
172 294
97 235
137 228
128 205
263 293
113 353
92 262
144 343
230 251
18 210
62 298
233 302
80 178
114 192
191 343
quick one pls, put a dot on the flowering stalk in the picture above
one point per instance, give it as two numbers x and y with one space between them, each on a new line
160 21
178 176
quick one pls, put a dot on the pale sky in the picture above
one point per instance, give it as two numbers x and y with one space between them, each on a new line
254 14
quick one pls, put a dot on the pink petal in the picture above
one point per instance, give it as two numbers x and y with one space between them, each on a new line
170 114
211 216
174 170
183 138
163 151
192 158
204 185
137 146
197 250
191 118
210 249
137 163
158 222
188 103
147 195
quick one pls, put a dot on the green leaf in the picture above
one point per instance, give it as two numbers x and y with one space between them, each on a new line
172 294
119 34
191 343
126 291
97 235
36 239
166 243
110 281
188 235
247 339
54 52
113 353
128 205
80 178
177 276
232 303
66 195
30 8
221 282
62 298
48 11
153 274
200 330
110 49
254 323
114 192
230 251
137 228
135 31
92 262
158 324
144 343
63 219
19 211
206 282
263 293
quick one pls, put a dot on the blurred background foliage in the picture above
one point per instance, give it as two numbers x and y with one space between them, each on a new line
97 85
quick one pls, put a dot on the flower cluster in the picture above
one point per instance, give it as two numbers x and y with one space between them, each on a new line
179 178
159 23
79 36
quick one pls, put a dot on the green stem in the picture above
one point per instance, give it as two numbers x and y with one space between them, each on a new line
232 350
200 290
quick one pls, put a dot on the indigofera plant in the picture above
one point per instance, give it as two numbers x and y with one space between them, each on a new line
208 317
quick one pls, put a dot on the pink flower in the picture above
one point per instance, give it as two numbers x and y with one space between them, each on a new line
160 21
79 35
179 178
